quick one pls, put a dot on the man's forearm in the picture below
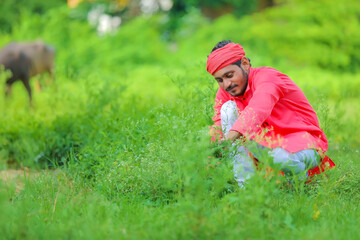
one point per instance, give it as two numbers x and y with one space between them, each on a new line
233 135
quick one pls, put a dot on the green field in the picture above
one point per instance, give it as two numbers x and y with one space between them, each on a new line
117 147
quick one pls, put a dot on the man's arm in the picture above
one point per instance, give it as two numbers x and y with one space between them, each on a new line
260 106
232 136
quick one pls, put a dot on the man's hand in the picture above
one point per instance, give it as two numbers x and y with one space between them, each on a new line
232 136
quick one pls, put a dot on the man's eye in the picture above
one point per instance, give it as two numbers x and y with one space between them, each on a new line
229 75
219 80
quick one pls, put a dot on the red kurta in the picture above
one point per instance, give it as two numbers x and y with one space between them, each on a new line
275 113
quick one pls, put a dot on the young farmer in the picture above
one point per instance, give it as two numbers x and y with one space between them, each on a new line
267 107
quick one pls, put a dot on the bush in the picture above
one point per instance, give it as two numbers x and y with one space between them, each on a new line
312 33
11 11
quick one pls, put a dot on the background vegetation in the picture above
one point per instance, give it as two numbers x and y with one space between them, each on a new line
119 142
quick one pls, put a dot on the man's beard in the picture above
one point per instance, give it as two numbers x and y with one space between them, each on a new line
246 76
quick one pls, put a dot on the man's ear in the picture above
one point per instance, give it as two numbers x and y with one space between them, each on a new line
245 64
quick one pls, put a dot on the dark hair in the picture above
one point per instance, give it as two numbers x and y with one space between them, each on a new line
222 44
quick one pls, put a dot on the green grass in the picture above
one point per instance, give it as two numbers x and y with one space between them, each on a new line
121 149
137 167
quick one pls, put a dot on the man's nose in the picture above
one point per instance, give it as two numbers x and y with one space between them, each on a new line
227 83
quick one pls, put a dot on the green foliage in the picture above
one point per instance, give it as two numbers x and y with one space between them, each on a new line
325 36
311 33
241 7
186 17
11 10
121 135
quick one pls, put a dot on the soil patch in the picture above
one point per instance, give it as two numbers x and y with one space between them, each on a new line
17 177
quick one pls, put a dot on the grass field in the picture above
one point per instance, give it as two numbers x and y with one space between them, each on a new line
118 149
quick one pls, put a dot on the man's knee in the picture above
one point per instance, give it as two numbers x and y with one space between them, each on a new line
229 115
229 108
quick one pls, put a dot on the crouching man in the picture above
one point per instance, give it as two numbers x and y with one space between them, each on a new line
265 106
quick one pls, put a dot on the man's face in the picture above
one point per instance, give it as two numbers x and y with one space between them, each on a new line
233 79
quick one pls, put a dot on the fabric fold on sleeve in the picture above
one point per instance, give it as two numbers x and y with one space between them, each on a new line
258 110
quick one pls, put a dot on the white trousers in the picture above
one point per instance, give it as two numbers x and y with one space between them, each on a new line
289 163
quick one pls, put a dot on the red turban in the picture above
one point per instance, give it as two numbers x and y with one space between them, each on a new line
224 56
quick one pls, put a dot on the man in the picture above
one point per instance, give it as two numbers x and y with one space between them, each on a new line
265 106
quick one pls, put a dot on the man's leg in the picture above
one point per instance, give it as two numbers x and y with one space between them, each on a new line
295 163
290 163
243 165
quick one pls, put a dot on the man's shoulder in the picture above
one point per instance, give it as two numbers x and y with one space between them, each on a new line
263 71
266 74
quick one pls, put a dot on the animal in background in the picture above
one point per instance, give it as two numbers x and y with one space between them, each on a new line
25 60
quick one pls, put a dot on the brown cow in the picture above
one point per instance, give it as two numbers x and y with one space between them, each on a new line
26 60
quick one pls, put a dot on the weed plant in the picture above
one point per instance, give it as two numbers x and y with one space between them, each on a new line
120 148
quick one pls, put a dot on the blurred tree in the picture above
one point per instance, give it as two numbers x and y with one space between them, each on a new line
11 10
265 4
216 8
211 9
